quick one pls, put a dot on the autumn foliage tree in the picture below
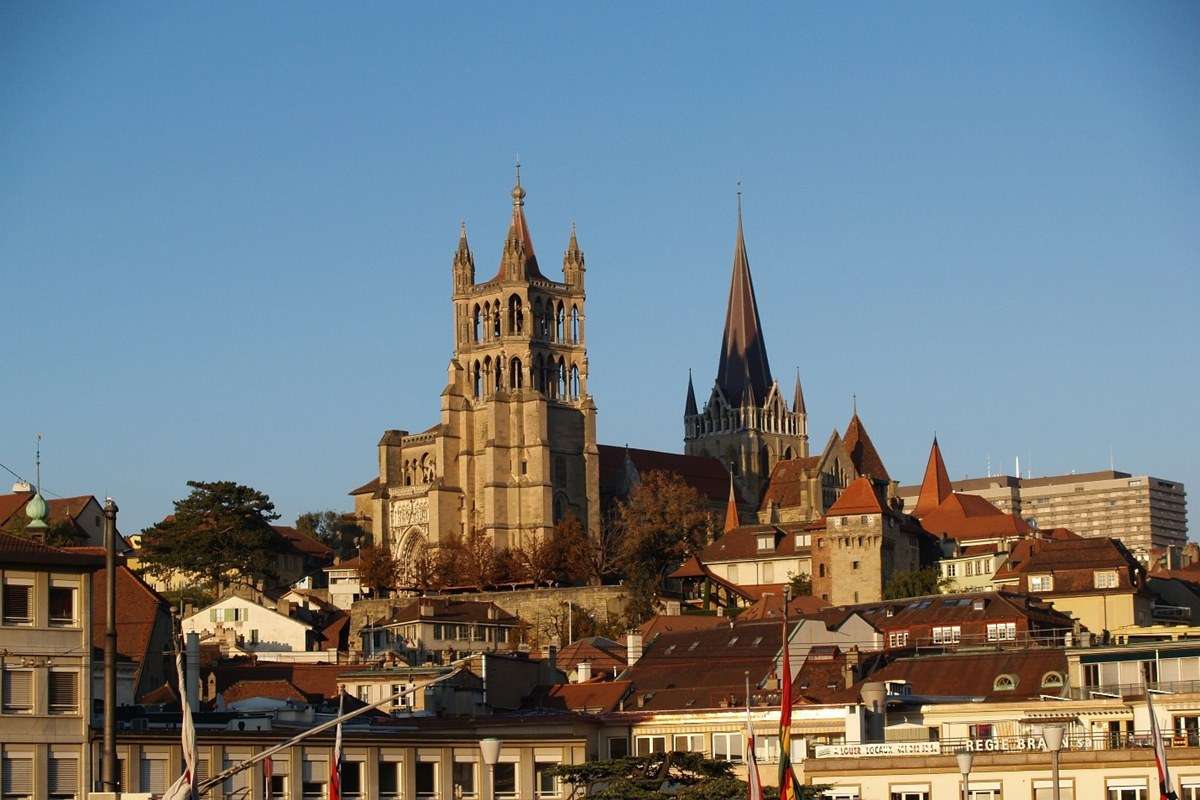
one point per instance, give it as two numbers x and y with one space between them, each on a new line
378 570
663 521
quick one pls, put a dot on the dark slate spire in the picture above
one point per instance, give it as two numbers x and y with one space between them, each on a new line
690 408
743 349
798 396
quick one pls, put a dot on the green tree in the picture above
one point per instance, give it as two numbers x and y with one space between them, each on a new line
664 521
220 533
663 776
913 583
800 584
338 532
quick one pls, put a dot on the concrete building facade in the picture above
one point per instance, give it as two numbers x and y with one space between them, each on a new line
1142 511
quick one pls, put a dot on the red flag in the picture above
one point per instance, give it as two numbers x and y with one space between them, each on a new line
1165 790
268 772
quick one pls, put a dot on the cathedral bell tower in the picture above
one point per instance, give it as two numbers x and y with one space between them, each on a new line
746 423
517 401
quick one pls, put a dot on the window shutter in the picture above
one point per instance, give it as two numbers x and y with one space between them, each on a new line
64 692
16 603
17 689
154 775
201 770
315 772
62 776
18 776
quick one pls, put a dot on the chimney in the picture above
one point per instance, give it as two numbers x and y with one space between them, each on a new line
583 672
283 607
633 647
427 609
850 666
192 671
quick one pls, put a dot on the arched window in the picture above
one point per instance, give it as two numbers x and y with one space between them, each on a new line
487 374
1004 683
574 324
559 324
477 382
514 374
539 377
562 378
516 317
476 325
560 507
499 374
496 320
1052 680
539 319
574 382
407 474
820 570
788 454
764 462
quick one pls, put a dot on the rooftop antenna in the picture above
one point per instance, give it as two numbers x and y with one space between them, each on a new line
854 406
1112 464
37 463
989 465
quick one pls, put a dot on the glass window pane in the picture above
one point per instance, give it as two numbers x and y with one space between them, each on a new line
504 780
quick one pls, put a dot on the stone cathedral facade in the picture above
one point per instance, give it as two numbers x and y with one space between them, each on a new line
515 448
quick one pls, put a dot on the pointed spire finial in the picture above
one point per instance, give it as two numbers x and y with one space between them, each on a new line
518 193
798 405
854 404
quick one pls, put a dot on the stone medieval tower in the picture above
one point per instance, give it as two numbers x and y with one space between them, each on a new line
746 422
515 450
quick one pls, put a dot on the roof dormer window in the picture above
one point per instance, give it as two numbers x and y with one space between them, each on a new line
1004 683
766 542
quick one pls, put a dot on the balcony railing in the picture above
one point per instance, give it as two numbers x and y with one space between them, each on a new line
1118 690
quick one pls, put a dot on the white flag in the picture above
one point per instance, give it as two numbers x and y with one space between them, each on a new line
1165 790
185 787
752 778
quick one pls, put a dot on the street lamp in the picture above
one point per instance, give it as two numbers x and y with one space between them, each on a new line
490 750
1053 734
964 766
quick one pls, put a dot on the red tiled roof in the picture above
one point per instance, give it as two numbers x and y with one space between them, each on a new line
336 633
273 689
603 654
942 609
935 487
593 697
166 694
19 550
968 516
862 451
315 681
139 609
974 675
706 475
788 481
703 669
451 611
680 623
303 543
370 487
742 543
12 503
858 498
1072 562
770 606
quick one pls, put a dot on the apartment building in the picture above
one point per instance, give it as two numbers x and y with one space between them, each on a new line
1142 511
45 661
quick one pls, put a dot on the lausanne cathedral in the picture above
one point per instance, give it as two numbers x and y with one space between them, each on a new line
515 449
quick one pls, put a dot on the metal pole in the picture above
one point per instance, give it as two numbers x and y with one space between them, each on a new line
1054 773
966 778
109 771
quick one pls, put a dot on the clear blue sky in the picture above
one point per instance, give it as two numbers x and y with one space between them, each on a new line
226 228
